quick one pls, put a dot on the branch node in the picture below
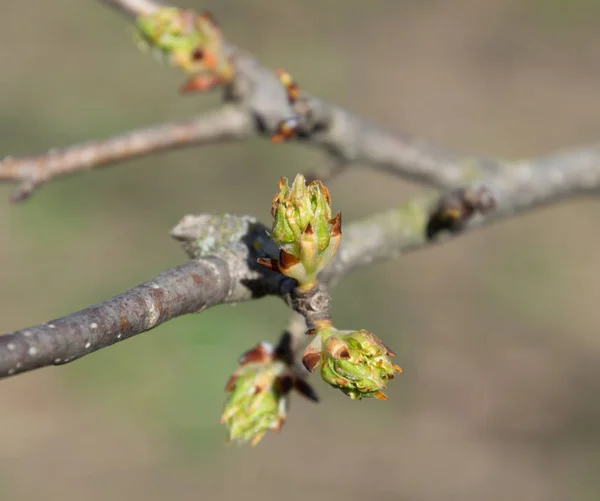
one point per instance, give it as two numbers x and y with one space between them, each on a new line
313 304
456 208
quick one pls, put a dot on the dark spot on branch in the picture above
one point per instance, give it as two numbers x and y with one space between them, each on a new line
198 54
124 325
456 208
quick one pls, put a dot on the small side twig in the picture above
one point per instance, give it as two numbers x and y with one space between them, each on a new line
226 123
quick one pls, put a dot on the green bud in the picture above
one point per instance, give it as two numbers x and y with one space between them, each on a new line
191 41
166 29
304 229
257 395
356 362
249 413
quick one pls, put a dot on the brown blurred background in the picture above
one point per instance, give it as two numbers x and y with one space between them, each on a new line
497 331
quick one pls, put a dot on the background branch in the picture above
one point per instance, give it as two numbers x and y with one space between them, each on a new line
261 104
226 123
518 188
347 136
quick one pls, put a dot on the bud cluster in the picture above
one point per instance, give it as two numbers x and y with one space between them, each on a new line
258 395
356 362
190 41
304 230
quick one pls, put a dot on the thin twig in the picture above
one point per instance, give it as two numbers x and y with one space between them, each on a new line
263 105
347 136
226 123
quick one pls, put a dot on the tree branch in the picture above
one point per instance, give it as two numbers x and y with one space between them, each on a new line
226 274
345 135
262 105
226 123
517 188
225 250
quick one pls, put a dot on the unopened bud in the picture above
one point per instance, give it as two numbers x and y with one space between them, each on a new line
356 362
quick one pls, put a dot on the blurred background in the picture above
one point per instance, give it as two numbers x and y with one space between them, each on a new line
497 331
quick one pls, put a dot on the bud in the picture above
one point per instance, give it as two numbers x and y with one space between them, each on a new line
304 229
190 41
292 88
258 390
356 362
287 128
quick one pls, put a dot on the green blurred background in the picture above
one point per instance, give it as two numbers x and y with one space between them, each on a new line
496 331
